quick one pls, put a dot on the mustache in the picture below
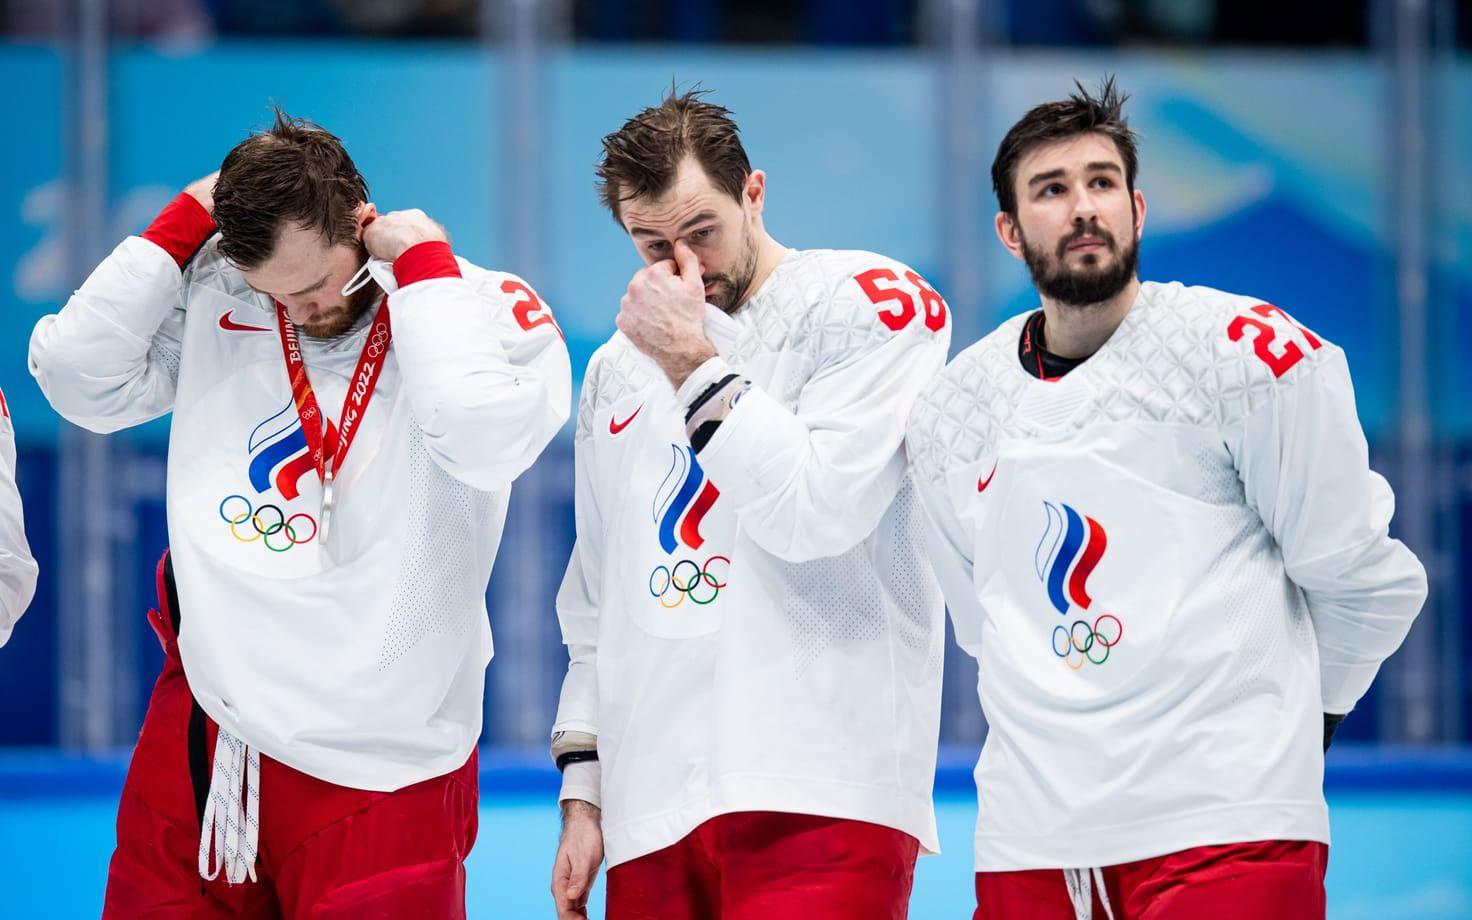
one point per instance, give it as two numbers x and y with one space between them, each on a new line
1081 232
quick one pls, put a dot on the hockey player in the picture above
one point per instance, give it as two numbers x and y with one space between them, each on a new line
1158 533
17 567
351 403
754 685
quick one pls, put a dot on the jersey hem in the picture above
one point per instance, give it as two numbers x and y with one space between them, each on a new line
1089 848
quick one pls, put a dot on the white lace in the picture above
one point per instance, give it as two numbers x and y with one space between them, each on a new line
1081 884
232 812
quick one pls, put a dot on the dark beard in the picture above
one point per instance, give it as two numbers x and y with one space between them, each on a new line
1081 287
343 317
732 290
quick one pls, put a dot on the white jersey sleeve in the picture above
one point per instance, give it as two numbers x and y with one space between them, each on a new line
17 566
1304 465
579 597
110 359
950 537
579 600
486 370
813 483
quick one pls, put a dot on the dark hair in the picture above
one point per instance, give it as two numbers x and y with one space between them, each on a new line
295 172
641 158
1055 121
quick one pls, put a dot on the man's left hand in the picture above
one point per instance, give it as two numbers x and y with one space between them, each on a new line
388 236
663 314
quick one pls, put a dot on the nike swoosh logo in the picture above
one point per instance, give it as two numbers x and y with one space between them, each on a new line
230 325
981 484
615 426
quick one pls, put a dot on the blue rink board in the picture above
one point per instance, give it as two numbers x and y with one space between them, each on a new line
1402 830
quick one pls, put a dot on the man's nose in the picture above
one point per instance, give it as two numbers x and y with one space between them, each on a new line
1084 209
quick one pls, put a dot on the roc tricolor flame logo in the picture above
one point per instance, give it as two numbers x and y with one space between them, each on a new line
680 504
1071 548
279 454
279 458
682 501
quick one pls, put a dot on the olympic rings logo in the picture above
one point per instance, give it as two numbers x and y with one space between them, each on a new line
378 340
698 583
268 524
1089 643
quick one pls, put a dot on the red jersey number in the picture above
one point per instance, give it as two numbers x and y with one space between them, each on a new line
529 311
1279 359
903 312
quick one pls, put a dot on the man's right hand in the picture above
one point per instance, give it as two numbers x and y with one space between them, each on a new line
203 190
579 853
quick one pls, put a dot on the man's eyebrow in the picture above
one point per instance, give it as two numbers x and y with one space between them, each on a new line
1045 176
1096 166
309 289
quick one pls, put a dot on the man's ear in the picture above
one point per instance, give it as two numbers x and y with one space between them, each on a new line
363 215
1009 233
755 191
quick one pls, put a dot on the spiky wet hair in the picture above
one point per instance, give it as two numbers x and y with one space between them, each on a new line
642 158
1080 113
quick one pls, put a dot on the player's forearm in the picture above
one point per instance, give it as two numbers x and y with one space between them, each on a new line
17 582
1305 469
949 557
803 492
581 786
181 228
485 418
17 565
92 359
1363 620
577 704
576 755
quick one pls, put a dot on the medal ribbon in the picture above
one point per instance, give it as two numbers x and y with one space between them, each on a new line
360 390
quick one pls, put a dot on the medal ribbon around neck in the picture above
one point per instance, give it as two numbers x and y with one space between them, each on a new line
328 458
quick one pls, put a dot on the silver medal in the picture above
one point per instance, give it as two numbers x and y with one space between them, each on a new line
327 501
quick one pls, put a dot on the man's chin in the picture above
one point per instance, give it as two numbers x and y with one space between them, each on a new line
329 327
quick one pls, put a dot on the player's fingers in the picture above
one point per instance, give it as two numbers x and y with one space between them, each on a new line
689 264
581 880
561 869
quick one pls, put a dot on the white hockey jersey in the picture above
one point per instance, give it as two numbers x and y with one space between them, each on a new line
17 566
754 628
1168 563
361 661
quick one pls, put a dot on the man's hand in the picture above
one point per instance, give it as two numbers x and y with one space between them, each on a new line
579 853
663 314
203 190
387 236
